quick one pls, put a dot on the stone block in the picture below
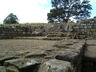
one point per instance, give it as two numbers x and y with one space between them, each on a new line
55 66
4 58
2 69
23 64
72 53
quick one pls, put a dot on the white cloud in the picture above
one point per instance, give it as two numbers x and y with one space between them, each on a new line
26 10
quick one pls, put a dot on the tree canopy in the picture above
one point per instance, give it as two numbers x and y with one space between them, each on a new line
62 10
11 19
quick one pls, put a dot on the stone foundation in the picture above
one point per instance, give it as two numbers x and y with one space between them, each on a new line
64 56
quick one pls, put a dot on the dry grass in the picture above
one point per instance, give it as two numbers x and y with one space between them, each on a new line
25 24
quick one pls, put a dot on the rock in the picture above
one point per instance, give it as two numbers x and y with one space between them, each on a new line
84 29
73 57
56 34
67 56
4 58
37 54
11 69
90 51
2 69
24 65
55 66
53 38
65 43
91 42
71 51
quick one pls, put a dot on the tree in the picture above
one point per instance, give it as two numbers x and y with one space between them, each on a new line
11 19
64 9
85 10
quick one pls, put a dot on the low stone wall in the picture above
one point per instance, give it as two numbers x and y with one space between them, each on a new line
84 29
49 30
7 32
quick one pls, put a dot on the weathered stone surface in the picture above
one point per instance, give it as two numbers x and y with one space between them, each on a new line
56 34
4 58
72 51
67 56
12 69
84 29
68 43
37 53
8 32
91 42
53 38
56 66
24 65
73 57
91 52
91 49
2 69
89 59
49 57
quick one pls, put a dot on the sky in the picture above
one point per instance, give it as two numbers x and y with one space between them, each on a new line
93 12
30 11
27 11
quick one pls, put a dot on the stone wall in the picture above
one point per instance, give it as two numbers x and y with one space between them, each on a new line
81 30
84 29
49 30
7 32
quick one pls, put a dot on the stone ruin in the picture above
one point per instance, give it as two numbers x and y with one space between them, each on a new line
7 32
48 30
74 54
63 56
84 29
68 55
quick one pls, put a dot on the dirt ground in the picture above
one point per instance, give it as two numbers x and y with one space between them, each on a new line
13 47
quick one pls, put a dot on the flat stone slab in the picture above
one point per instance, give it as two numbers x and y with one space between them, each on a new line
53 38
68 43
90 52
2 69
4 58
22 62
37 53
11 69
91 42
55 66
70 50
67 56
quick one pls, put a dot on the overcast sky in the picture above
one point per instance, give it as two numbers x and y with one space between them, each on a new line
30 10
